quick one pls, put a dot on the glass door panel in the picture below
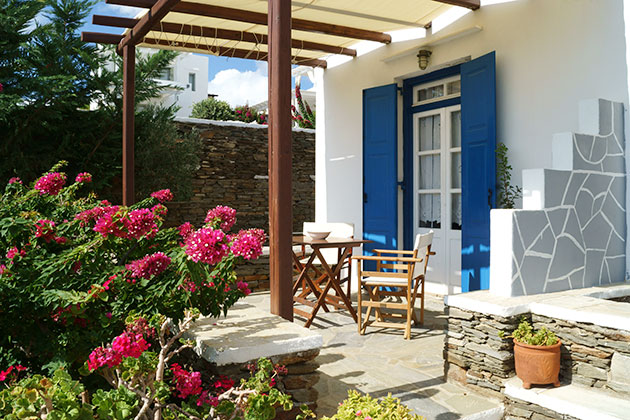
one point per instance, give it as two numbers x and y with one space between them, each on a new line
430 211
429 129
430 172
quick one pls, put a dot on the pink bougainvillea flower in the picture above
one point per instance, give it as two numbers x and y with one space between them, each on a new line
3 269
206 245
224 216
186 383
83 177
13 252
224 383
61 240
248 243
108 221
149 265
103 356
15 180
130 345
243 287
159 210
185 230
51 183
162 195
205 398
11 371
45 229
139 223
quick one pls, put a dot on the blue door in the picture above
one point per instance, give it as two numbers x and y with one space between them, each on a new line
380 174
478 168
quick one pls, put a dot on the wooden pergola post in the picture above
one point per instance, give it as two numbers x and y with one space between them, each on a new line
129 91
280 158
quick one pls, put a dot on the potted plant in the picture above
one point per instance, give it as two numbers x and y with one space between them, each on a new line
536 355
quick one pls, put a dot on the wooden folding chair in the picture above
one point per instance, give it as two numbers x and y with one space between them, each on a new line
405 276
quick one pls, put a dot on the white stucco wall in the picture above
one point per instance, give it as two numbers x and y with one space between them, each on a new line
183 65
550 55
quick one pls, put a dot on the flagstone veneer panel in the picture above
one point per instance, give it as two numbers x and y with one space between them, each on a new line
572 231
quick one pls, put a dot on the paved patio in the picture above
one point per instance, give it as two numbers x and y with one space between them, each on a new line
382 362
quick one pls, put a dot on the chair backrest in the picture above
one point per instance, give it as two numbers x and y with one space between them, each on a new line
423 241
338 230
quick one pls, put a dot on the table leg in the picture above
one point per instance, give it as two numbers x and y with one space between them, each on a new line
333 280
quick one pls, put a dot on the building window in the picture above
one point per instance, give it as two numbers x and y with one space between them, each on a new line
166 74
191 81
437 91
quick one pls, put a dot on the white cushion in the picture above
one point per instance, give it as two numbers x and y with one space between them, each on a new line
379 281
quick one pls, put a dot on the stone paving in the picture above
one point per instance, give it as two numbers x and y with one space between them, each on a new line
382 362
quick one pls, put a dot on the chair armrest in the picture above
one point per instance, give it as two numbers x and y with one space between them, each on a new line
393 251
385 258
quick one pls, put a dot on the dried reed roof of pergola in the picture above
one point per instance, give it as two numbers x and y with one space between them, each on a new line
238 28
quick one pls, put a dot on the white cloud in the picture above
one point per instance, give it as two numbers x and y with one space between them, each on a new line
241 87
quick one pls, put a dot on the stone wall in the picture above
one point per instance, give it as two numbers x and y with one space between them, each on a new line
474 353
299 381
592 356
234 173
571 232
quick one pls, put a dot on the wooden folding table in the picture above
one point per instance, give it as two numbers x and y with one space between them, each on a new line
321 286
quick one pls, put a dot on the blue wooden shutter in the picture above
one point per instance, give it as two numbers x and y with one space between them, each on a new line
478 169
380 174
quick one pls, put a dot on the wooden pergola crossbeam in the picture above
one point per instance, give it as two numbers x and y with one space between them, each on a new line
103 38
146 22
469 4
247 16
235 52
203 31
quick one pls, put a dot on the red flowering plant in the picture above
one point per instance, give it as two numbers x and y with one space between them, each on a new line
303 116
72 268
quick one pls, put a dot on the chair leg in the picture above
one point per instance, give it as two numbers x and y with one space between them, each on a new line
359 309
422 303
409 314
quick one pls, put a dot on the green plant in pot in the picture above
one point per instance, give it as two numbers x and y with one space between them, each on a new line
536 355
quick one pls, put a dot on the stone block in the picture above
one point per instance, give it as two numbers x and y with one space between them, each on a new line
307 381
592 372
458 313
619 379
487 350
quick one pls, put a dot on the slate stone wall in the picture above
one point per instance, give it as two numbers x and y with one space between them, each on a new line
592 356
299 382
234 173
572 231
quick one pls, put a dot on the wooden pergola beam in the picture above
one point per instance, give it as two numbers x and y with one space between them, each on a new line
203 31
280 159
146 22
227 13
235 52
100 38
469 4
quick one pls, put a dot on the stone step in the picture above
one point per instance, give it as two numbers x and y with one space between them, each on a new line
572 400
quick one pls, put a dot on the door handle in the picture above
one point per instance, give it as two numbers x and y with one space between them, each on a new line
365 197
490 197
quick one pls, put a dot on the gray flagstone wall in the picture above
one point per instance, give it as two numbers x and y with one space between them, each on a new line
571 231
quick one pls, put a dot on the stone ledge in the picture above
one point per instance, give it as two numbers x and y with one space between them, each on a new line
579 305
248 333
572 400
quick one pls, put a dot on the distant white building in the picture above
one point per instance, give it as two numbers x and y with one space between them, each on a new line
186 82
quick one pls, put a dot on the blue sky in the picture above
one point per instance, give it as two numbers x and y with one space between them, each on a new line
227 73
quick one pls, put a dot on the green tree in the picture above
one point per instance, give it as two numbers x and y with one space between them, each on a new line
212 109
50 81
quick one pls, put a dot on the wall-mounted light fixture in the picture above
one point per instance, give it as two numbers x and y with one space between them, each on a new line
423 58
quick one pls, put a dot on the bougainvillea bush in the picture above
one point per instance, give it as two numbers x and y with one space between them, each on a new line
94 289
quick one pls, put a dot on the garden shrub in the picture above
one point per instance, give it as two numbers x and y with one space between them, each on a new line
212 109
94 288
364 407
73 268
245 114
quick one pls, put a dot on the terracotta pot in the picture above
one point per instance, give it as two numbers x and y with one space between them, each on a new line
537 364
